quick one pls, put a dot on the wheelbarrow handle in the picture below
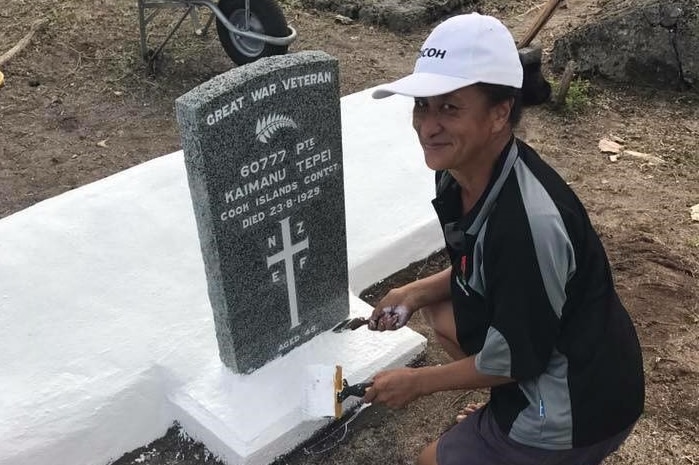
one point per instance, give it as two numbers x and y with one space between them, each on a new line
252 35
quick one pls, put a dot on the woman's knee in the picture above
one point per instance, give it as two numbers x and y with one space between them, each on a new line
440 317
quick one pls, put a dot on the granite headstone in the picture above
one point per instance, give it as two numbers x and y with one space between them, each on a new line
263 152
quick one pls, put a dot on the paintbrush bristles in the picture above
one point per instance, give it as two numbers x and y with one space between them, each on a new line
318 387
338 389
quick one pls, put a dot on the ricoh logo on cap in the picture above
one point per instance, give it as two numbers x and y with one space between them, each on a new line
433 53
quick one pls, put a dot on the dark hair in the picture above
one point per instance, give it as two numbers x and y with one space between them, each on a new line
496 94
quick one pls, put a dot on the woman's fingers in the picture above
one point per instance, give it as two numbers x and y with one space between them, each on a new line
369 395
389 318
393 388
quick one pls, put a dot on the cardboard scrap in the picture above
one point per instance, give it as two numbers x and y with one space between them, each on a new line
614 146
609 146
695 212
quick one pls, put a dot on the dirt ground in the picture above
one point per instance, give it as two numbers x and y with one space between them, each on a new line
78 105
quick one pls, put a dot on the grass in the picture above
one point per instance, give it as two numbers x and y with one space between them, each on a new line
578 97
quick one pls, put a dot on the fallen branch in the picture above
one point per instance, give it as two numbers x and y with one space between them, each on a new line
536 7
36 26
644 156
539 23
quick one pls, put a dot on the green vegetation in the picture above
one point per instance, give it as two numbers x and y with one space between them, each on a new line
578 97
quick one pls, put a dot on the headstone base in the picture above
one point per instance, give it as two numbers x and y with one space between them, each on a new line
253 419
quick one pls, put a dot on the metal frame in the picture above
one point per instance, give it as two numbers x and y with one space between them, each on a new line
191 6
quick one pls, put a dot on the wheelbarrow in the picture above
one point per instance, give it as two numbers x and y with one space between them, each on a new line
247 29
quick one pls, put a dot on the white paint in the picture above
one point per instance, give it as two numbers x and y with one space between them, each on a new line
388 189
399 312
319 380
106 331
253 419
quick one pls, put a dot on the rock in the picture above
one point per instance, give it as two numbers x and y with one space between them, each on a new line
651 42
535 89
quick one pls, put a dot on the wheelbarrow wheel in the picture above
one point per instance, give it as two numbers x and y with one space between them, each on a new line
266 17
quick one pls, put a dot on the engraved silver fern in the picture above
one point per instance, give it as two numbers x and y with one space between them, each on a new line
269 125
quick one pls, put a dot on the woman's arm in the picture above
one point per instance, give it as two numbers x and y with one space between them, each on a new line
397 388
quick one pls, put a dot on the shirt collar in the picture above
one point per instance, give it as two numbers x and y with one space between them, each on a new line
449 193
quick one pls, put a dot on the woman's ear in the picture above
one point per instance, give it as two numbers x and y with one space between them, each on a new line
501 114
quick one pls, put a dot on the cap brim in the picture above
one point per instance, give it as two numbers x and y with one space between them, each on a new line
422 85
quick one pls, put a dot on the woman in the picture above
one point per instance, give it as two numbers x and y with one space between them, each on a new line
528 307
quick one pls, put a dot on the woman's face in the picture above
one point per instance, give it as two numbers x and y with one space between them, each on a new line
455 128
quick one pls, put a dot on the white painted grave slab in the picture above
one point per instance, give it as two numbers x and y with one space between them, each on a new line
104 314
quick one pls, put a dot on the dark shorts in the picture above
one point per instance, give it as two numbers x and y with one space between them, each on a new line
478 440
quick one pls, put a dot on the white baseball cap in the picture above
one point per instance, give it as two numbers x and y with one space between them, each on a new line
459 52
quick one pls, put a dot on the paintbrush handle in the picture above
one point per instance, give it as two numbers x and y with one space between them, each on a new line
357 323
356 390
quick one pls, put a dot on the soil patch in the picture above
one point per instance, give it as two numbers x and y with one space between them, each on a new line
395 15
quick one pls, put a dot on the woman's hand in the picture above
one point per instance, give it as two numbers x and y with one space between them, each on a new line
395 388
392 312
396 308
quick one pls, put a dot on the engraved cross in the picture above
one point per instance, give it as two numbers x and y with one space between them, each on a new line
287 256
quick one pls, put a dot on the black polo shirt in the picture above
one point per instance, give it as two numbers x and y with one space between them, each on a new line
534 300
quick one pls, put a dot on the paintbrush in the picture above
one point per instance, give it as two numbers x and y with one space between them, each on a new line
327 390
350 323
398 316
